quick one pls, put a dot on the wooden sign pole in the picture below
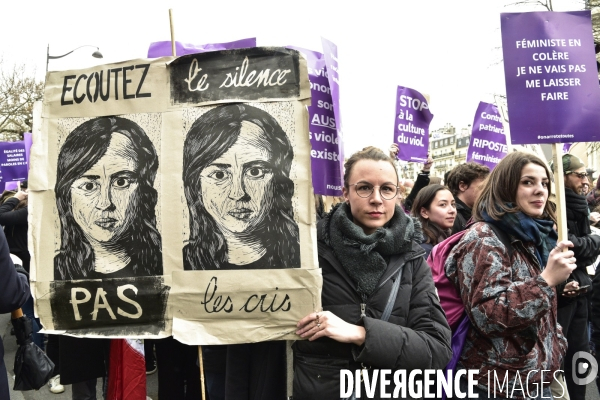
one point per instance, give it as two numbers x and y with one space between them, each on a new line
327 203
559 184
173 47
200 359
201 363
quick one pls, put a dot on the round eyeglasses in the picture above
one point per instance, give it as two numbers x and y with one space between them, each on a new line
387 192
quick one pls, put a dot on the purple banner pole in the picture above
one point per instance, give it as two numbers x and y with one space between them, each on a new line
331 63
326 151
551 77
411 127
488 142
13 162
162 49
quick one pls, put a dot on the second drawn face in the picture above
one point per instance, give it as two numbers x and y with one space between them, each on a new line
102 196
237 187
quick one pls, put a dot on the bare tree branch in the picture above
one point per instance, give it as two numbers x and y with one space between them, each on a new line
547 4
18 92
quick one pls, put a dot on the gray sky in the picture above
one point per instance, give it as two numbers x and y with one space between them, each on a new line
447 49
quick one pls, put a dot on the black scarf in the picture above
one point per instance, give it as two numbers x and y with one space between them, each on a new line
578 206
361 255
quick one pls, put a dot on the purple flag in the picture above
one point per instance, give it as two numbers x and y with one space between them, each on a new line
567 147
162 49
326 154
488 142
331 63
551 77
13 162
411 127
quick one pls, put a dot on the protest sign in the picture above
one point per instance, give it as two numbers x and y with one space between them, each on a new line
13 168
551 77
176 202
164 49
411 125
488 141
13 161
327 148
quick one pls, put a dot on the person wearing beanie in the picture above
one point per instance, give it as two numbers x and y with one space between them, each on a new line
573 306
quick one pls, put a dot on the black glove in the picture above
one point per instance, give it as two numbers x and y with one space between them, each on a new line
23 329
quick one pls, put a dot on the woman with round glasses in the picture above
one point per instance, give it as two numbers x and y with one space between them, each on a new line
370 257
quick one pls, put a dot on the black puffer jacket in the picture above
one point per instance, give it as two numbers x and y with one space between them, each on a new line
417 335
15 229
15 222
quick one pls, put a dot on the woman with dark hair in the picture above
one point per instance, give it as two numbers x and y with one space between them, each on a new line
509 286
435 208
236 166
106 202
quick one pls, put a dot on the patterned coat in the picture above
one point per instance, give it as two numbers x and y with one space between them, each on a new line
512 309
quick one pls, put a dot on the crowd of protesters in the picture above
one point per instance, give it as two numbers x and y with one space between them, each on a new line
528 299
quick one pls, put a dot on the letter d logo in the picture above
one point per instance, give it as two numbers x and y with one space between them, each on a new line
579 367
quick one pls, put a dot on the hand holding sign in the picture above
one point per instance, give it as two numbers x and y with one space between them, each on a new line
428 163
21 195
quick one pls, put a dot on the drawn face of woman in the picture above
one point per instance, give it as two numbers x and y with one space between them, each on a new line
237 187
102 196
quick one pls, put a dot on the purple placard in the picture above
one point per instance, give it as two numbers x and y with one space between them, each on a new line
326 154
10 185
488 141
28 141
13 162
162 49
551 77
411 126
331 63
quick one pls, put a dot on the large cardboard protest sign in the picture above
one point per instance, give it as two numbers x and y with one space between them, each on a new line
173 196
551 77
488 141
411 125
